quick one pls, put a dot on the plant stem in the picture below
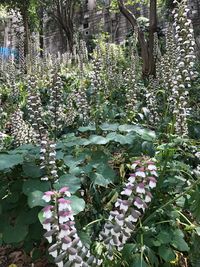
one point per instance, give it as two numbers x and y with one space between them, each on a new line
171 201
89 224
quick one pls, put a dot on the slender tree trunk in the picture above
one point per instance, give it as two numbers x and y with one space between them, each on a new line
152 31
141 38
41 30
24 13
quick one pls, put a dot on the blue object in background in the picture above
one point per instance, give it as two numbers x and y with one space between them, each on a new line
7 52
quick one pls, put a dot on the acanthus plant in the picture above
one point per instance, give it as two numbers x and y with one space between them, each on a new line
184 66
66 246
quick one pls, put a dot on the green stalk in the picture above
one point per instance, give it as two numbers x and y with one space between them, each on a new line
171 201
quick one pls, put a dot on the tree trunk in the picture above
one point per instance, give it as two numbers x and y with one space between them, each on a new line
152 31
41 30
141 38
24 13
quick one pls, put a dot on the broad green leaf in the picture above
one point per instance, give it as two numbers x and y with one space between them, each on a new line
41 217
127 252
87 128
71 162
32 185
69 180
85 238
136 261
35 199
119 138
109 127
98 140
164 237
166 253
127 128
59 155
31 170
78 204
178 241
27 216
145 134
8 161
195 207
15 234
100 180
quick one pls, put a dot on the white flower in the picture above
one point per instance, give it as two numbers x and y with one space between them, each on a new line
49 239
140 188
152 167
60 264
72 257
131 179
54 253
47 196
140 174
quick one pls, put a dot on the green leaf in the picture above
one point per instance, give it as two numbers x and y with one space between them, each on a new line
196 203
30 169
178 241
127 252
41 217
71 162
15 234
145 134
85 238
35 199
32 185
166 253
137 261
164 237
127 128
109 127
98 179
8 161
98 140
78 204
119 138
87 128
69 180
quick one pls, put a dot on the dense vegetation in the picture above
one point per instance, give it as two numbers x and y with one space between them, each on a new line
101 163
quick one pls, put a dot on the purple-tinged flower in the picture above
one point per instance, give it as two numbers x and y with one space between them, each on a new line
139 203
53 250
127 190
151 166
148 197
140 188
47 224
132 178
66 243
47 212
48 195
64 231
140 172
135 164
65 216
122 204
133 217
64 204
72 253
49 235
152 182
154 173
65 191
119 219
113 214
